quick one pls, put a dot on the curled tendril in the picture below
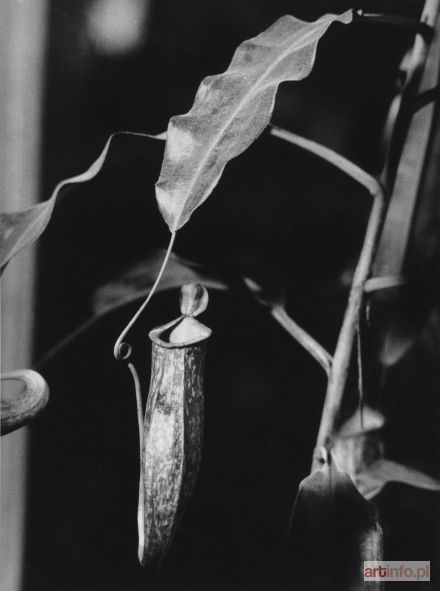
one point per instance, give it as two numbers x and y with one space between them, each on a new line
122 350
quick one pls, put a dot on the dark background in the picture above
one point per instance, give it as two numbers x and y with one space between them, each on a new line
279 216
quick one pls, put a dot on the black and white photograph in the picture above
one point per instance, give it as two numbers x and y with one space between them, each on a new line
220 295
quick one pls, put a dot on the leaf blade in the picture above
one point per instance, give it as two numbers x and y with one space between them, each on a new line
21 228
372 480
231 110
334 529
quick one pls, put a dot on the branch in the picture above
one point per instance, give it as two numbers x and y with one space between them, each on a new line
274 299
350 168
341 360
312 346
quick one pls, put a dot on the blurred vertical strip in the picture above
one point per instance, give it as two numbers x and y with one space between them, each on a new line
22 51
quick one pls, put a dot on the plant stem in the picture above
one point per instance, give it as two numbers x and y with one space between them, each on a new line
278 311
344 348
342 357
350 168
312 346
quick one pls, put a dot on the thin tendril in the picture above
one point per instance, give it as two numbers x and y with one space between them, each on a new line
141 509
360 374
122 350
140 418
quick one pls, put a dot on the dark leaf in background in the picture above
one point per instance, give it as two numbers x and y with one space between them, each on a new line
333 530
231 110
359 450
137 281
358 441
371 481
407 239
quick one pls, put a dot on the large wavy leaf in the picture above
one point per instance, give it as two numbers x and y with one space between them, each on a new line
231 110
21 228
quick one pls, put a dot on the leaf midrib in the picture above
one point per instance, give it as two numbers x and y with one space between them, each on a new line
303 41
